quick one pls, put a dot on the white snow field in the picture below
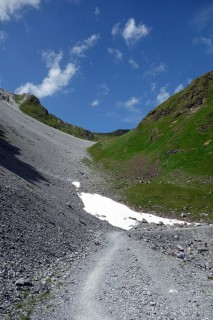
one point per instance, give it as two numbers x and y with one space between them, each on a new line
118 214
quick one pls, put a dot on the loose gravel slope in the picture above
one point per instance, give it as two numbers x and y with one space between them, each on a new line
41 216
59 263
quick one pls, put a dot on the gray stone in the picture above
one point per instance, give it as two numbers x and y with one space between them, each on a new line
23 282
181 255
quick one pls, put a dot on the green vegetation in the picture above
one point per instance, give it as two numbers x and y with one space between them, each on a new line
31 106
165 164
26 306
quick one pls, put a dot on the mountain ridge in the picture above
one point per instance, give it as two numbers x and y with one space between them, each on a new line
30 105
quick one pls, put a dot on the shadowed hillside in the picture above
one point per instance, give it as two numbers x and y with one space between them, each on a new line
9 159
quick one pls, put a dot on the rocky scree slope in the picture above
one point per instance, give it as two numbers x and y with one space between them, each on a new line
43 227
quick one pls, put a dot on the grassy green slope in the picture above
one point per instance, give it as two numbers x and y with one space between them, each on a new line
166 163
31 106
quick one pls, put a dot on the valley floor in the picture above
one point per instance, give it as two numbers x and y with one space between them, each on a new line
58 262
125 279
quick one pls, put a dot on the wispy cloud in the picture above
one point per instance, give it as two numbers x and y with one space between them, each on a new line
133 64
179 88
55 80
131 32
202 19
156 69
97 11
10 8
153 87
117 54
131 103
162 95
81 48
103 89
75 2
207 42
134 113
3 36
116 29
95 103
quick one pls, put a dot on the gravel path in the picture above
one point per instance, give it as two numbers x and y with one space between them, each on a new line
127 280
59 263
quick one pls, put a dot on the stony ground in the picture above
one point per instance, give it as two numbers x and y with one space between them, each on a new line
57 262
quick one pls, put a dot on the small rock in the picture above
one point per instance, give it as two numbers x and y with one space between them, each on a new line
160 223
69 205
181 255
201 250
144 221
23 282
180 248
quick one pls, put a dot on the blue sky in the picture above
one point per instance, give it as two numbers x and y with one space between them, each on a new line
103 64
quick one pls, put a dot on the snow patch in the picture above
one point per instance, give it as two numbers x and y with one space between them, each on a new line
76 184
173 291
118 214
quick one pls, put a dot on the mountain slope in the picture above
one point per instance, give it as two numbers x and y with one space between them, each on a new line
31 106
172 150
42 220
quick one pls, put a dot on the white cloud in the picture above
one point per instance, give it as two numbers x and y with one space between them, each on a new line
133 33
207 42
95 103
97 11
9 8
179 88
134 113
3 36
156 69
80 49
162 95
133 64
131 103
54 81
118 55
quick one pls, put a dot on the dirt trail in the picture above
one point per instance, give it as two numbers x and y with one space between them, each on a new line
127 280
88 306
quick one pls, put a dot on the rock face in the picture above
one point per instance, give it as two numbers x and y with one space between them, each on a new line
4 96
